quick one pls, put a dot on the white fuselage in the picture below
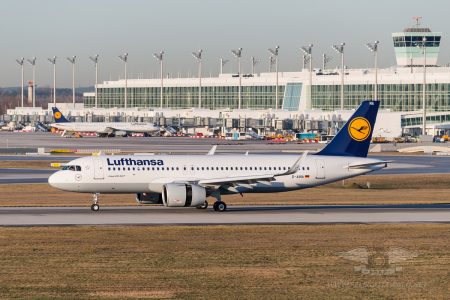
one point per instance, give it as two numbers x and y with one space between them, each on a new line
148 174
102 127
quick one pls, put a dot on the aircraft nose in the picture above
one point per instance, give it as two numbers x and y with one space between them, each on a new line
54 180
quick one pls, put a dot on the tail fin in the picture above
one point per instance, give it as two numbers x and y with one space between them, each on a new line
354 138
59 117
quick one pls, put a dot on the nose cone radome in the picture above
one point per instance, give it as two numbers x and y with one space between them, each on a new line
53 180
60 180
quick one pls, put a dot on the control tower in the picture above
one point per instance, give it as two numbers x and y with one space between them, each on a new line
408 43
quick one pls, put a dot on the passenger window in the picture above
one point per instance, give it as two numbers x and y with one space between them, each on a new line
203 168
245 168
221 168
177 169
109 169
307 168
129 168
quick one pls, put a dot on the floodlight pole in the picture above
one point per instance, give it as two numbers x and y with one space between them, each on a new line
424 89
307 51
275 54
20 62
254 62
72 60
95 61
124 58
325 60
53 61
198 56
159 57
271 61
238 54
33 64
222 63
373 47
340 49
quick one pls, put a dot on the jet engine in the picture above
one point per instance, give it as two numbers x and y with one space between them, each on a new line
149 198
180 194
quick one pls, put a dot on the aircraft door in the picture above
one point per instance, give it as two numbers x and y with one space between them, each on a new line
320 169
98 169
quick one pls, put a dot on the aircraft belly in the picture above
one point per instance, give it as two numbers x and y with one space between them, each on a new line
113 187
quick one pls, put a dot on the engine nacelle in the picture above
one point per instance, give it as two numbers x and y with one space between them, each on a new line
149 198
180 194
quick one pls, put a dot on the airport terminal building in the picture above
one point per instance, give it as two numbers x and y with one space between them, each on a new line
303 95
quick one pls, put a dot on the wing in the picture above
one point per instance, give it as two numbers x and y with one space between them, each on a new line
230 182
250 179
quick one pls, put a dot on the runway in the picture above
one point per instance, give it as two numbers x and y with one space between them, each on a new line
156 215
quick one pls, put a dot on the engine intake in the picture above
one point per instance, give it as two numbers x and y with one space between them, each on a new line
179 194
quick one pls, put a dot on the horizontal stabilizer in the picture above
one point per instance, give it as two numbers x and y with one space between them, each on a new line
366 165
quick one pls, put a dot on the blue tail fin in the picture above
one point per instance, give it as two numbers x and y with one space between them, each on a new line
354 138
59 117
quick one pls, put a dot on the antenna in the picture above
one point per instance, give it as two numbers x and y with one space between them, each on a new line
417 19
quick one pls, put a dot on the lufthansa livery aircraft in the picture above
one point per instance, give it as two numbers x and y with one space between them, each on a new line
102 128
187 180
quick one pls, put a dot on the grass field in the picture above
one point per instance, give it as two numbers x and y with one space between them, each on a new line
223 262
384 189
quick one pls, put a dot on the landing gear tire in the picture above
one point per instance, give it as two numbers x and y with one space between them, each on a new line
203 206
220 206
95 207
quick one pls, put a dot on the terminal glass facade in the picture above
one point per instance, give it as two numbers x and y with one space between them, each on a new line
213 97
292 96
396 97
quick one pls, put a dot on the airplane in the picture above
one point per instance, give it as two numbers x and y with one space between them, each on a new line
102 128
187 180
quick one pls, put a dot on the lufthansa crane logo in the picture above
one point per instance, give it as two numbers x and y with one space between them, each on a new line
359 129
57 115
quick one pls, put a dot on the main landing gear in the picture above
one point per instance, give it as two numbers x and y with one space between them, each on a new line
219 205
95 206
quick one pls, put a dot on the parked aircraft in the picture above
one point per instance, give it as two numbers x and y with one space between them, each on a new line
102 128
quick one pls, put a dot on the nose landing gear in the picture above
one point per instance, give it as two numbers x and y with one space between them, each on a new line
95 206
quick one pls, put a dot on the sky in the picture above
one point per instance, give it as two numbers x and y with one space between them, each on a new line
63 28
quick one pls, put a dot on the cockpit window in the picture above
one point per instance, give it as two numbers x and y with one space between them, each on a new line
72 168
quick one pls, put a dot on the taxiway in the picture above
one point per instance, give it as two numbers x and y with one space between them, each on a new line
156 215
